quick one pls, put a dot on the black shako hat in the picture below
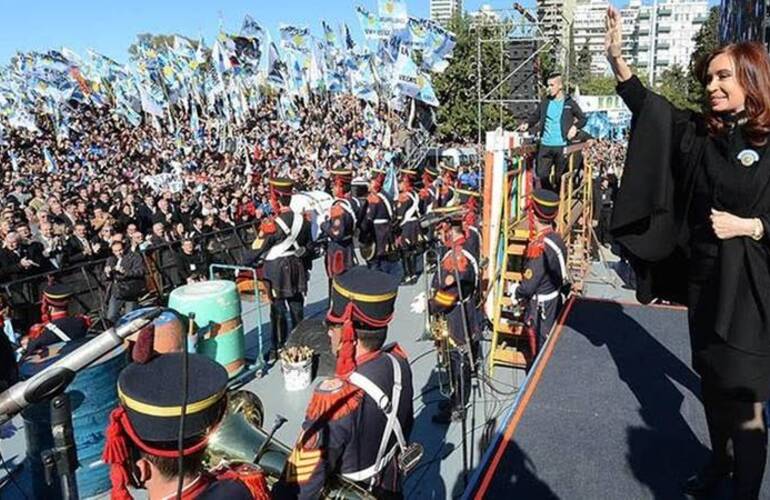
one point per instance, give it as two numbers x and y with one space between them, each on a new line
545 203
152 395
282 185
362 297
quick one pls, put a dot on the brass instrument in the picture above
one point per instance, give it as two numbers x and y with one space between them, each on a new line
439 330
239 438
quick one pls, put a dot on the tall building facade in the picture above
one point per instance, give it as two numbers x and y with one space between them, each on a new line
656 36
556 19
442 11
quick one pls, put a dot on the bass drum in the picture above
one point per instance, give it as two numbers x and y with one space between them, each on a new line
314 203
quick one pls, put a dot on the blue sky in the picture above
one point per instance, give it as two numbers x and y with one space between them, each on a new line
109 26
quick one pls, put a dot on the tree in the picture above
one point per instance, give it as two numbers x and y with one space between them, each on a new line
706 41
673 85
457 90
598 85
582 71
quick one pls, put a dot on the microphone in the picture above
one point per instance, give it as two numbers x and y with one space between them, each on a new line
54 379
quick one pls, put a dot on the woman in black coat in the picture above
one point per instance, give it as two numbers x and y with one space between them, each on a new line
693 212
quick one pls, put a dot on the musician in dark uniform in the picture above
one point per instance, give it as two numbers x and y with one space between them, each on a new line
545 271
282 245
141 444
56 324
408 217
469 200
340 227
454 300
428 201
345 423
447 196
377 227
429 190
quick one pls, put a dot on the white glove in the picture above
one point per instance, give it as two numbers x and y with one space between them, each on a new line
512 291
419 304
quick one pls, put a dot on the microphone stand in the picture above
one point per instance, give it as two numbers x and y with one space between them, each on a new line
62 459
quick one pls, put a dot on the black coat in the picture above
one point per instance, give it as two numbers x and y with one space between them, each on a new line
196 264
572 115
675 173
130 284
10 267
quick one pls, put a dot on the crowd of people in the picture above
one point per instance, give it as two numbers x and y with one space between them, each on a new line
67 201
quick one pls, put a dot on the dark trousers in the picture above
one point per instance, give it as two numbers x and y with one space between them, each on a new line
117 307
460 368
551 164
295 306
545 315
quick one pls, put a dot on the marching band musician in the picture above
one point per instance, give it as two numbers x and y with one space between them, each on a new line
545 271
356 424
282 242
469 200
447 196
455 285
429 191
341 225
377 225
408 216
141 444
56 325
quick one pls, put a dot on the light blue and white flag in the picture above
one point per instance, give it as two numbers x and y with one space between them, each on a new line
330 37
405 74
50 162
252 29
295 37
393 16
370 25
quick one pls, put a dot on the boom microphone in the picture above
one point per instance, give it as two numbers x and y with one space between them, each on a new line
54 379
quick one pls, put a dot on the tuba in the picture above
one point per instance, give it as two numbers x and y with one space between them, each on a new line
239 438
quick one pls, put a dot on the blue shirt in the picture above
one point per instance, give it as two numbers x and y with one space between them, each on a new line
552 129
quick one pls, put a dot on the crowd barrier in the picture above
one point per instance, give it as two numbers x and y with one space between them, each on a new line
90 287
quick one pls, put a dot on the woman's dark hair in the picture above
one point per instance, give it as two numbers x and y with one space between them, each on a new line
752 68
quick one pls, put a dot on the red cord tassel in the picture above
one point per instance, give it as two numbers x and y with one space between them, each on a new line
116 455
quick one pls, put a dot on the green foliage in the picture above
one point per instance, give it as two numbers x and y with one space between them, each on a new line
457 89
706 41
598 85
673 85
581 71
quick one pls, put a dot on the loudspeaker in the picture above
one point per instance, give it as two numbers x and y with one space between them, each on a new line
523 83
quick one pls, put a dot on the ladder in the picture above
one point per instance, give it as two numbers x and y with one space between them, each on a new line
509 344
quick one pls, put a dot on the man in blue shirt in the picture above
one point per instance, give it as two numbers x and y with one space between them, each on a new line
558 118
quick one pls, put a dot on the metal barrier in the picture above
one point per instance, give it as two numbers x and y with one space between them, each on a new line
90 287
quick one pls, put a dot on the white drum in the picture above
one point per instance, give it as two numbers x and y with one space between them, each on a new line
317 204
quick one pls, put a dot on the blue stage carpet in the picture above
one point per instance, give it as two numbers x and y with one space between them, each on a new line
614 414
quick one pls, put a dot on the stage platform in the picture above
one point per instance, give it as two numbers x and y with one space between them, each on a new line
611 410
438 476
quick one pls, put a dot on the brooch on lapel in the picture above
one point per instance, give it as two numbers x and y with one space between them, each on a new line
748 157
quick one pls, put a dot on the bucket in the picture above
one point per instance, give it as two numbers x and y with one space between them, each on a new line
297 376
217 308
93 395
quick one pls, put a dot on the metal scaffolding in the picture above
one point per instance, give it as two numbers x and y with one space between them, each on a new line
506 27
